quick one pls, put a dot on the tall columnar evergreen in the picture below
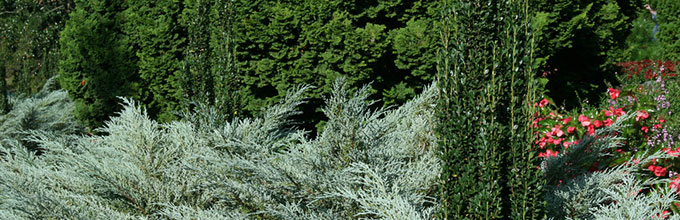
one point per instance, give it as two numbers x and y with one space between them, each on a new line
97 64
209 75
517 48
197 78
485 79
669 27
158 40
229 100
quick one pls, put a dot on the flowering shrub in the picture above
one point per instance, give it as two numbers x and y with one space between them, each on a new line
650 69
650 128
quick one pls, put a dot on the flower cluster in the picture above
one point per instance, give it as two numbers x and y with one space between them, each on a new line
646 100
649 68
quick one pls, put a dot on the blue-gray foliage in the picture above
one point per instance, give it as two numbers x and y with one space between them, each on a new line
367 163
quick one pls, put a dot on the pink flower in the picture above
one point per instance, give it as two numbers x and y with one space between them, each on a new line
642 114
557 131
613 93
585 121
645 129
557 141
571 129
663 215
542 103
548 153
657 126
566 144
658 171
672 153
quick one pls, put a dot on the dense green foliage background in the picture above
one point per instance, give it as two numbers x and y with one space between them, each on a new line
206 77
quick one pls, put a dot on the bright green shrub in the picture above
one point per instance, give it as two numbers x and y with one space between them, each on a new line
97 64
366 164
280 44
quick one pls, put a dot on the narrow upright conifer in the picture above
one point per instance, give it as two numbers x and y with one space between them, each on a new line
485 78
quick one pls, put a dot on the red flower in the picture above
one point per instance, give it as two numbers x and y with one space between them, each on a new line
613 93
618 111
590 130
82 83
542 103
642 114
548 153
657 126
658 171
645 129
675 183
566 120
597 123
571 129
608 122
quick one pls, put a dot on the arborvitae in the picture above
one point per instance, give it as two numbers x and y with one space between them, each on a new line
284 43
486 80
97 64
158 41
578 44
367 163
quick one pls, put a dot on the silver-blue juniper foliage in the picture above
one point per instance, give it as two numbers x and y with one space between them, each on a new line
367 163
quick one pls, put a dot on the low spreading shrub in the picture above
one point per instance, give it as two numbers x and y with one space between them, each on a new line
367 163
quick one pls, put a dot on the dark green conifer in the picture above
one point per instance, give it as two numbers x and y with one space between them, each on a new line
97 64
